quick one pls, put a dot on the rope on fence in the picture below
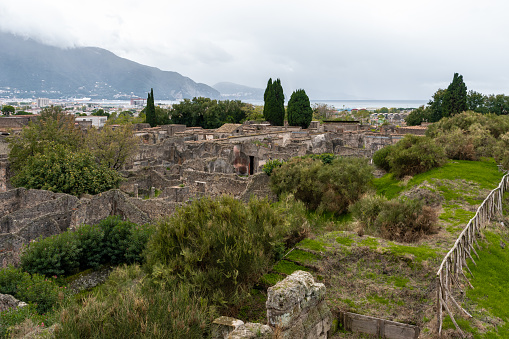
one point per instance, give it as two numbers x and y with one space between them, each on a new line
456 259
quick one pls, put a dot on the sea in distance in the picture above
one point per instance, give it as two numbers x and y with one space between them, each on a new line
338 104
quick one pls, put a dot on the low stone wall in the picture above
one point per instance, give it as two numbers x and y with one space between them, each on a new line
296 308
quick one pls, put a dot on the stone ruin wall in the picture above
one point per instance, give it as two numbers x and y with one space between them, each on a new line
296 308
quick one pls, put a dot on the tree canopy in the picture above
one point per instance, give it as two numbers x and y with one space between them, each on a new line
455 100
52 153
8 110
274 99
208 113
299 109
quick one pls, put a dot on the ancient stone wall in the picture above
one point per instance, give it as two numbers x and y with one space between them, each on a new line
296 308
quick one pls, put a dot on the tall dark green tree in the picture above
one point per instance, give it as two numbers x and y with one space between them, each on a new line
274 107
299 109
455 97
150 110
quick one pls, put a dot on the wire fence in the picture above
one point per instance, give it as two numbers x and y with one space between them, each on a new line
451 269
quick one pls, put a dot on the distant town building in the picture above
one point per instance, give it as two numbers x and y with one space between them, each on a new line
97 121
42 102
138 102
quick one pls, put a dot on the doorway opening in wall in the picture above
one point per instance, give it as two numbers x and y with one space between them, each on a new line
251 165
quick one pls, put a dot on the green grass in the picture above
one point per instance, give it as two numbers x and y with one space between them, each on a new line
372 243
491 283
288 267
270 279
399 281
345 240
302 256
485 173
388 186
420 253
312 244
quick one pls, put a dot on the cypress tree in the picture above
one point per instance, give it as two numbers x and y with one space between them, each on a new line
455 98
268 99
150 110
300 112
274 107
279 110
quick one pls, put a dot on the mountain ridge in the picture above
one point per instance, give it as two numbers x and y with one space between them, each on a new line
32 69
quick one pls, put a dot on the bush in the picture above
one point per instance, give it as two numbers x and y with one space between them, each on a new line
415 154
397 219
270 165
61 170
112 241
381 158
323 187
502 151
123 308
457 145
222 246
44 293
366 211
55 255
406 220
12 317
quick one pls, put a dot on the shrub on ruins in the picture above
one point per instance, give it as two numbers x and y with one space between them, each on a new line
323 187
270 165
61 170
400 219
112 241
222 246
415 154
52 154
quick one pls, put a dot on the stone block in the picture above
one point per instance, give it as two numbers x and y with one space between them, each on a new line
223 326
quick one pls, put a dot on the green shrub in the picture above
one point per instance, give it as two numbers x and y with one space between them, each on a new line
61 170
415 154
112 241
43 292
323 187
270 165
116 239
90 244
12 317
326 158
222 246
55 255
380 158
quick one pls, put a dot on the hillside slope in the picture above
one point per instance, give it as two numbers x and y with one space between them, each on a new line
31 69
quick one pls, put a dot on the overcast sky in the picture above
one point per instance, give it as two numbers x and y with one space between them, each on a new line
334 49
